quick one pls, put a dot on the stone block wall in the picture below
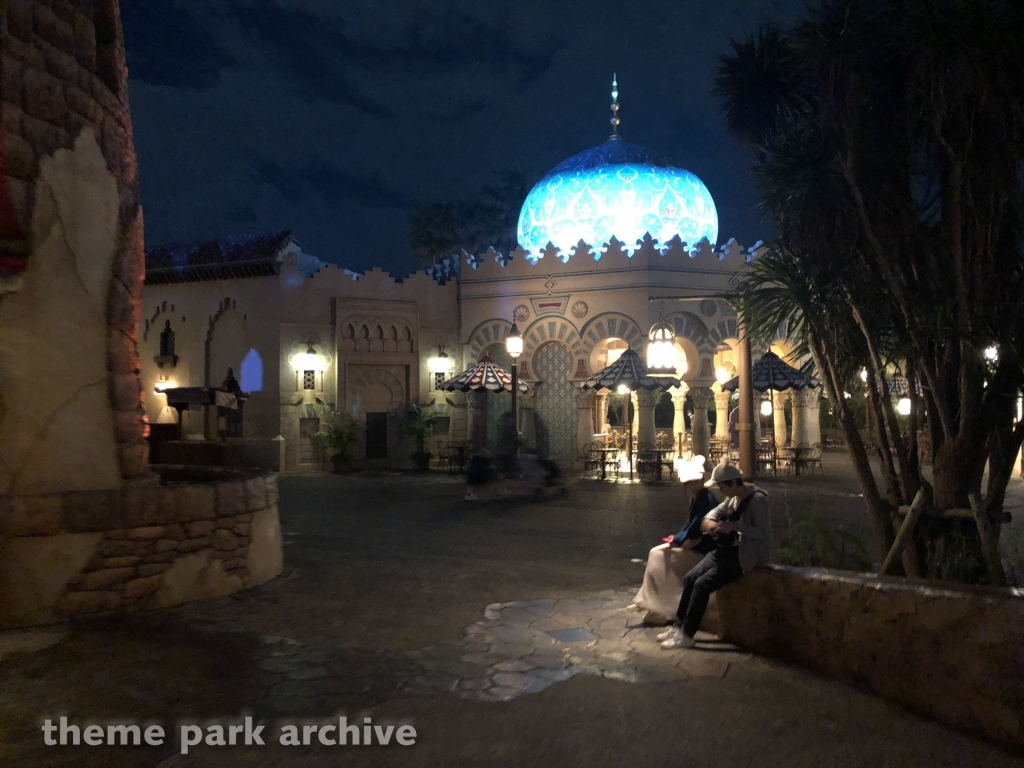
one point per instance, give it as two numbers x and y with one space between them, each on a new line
149 545
64 84
950 652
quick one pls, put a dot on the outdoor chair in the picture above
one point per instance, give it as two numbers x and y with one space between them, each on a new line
786 459
593 460
813 458
767 461
647 462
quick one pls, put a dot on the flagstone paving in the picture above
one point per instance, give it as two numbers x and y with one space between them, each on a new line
524 647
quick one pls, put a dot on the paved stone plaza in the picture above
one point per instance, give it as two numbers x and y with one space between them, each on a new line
502 631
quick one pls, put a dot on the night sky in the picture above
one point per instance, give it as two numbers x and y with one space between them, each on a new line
338 119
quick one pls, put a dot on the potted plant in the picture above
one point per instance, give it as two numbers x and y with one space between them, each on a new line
339 434
419 423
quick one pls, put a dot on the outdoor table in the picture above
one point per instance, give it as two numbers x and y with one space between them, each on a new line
799 456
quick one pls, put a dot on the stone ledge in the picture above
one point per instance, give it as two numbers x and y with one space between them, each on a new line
135 539
948 651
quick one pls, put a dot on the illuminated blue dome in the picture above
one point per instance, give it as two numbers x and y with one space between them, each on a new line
616 189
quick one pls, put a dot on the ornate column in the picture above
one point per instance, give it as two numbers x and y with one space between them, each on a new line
722 415
812 423
679 414
646 401
585 419
779 418
528 419
702 399
799 401
601 413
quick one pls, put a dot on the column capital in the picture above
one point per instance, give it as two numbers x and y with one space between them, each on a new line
648 398
807 397
722 400
779 399
584 397
702 397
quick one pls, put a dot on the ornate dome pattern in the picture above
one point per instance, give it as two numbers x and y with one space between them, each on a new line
616 189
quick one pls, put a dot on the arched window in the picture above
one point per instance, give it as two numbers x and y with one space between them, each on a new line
251 372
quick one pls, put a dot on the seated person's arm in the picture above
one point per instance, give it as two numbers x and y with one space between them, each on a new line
719 514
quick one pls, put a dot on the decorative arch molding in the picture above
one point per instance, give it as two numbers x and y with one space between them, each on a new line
493 331
543 330
376 333
689 326
611 325
223 307
359 385
726 328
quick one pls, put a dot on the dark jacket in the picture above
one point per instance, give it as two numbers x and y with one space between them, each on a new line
700 505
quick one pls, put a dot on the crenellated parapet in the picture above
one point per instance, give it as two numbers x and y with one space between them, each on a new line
646 254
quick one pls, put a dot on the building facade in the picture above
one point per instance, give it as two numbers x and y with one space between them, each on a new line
587 281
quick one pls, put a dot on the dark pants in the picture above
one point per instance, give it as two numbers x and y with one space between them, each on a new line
718 568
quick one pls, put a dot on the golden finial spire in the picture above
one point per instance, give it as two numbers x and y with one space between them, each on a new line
615 107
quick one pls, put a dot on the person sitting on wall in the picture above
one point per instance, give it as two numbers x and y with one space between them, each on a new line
668 563
742 529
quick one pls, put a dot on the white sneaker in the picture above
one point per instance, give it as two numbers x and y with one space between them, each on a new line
682 640
470 496
670 632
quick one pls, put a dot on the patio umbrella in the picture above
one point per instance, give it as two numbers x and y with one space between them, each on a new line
485 376
628 371
770 373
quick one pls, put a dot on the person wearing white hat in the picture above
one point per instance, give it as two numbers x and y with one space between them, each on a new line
669 562
742 529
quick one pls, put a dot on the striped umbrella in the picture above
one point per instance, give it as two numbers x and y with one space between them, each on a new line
628 370
485 376
770 373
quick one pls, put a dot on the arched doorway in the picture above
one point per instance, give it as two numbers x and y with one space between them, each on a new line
556 403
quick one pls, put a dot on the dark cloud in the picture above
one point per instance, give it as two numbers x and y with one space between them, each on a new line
326 58
318 179
169 44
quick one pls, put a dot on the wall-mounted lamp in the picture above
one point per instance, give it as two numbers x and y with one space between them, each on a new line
662 353
308 360
441 363
163 384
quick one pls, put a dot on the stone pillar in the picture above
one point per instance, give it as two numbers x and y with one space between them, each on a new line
528 419
476 417
779 417
722 414
702 399
679 417
799 418
646 401
601 413
810 401
585 420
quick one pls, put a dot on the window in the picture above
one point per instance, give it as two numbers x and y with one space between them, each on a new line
439 379
309 380
251 372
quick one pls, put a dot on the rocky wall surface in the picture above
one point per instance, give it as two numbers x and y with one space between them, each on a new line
950 652
149 545
71 231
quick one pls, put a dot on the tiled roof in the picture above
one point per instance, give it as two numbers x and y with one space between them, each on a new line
221 259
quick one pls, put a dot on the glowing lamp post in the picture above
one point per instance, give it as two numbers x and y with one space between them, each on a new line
514 346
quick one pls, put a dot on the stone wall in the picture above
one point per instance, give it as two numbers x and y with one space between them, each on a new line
950 652
149 545
71 253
